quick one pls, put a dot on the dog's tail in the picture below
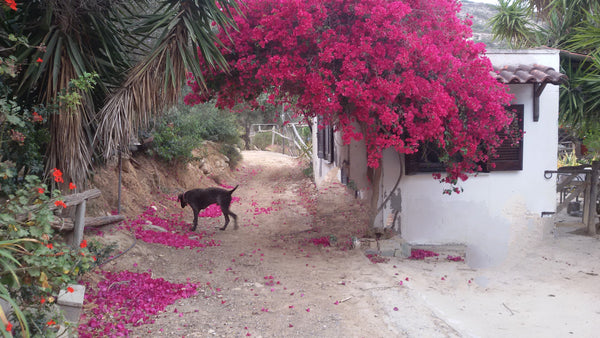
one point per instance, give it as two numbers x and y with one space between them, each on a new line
232 190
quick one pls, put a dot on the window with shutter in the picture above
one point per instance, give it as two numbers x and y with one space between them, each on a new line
510 153
325 143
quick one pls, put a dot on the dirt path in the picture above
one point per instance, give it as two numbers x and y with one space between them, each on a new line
271 278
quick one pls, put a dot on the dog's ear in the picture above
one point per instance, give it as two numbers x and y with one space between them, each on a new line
181 200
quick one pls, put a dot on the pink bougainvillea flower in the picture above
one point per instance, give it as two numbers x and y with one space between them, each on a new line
455 258
132 303
394 67
422 254
395 308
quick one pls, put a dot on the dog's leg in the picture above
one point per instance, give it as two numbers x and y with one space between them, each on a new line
226 221
195 219
234 220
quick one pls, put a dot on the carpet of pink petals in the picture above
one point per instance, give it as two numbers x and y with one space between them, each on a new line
127 298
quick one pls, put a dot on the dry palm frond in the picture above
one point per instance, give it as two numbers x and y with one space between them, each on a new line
152 85
68 149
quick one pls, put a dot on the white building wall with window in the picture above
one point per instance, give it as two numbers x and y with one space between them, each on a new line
498 213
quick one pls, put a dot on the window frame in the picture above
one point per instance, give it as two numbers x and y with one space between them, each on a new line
510 156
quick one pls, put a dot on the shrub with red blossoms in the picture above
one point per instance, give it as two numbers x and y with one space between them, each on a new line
397 74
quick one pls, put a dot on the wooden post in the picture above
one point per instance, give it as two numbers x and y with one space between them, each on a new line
592 214
79 224
273 135
586 198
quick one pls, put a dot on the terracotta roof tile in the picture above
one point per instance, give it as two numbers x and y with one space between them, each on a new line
528 74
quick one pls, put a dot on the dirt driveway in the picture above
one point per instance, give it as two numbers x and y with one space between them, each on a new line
274 278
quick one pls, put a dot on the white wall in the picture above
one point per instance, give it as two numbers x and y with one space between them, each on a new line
500 212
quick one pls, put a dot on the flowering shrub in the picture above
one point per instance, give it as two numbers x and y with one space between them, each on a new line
404 71
127 298
35 264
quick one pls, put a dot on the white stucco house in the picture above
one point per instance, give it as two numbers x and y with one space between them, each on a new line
500 212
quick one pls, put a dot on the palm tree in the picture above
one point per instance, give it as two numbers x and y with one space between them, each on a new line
512 23
572 26
141 49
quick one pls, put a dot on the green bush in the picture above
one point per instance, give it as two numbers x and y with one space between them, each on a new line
263 140
184 128
232 153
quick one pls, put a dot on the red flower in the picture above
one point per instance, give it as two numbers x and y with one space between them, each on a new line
49 246
8 327
13 5
41 190
43 300
69 290
72 185
39 60
83 244
57 175
60 204
17 136
51 322
37 117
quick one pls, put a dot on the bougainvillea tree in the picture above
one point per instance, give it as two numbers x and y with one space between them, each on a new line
392 73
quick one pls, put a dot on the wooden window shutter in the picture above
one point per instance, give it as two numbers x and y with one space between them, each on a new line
325 143
510 156
320 143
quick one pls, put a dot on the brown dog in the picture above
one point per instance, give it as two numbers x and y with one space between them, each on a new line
199 199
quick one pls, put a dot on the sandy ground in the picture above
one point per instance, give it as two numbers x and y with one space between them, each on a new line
268 279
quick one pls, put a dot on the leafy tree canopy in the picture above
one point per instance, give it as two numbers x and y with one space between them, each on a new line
394 73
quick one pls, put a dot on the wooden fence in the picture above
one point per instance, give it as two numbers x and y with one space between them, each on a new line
575 183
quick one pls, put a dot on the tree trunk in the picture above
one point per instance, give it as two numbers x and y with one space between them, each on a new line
375 179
